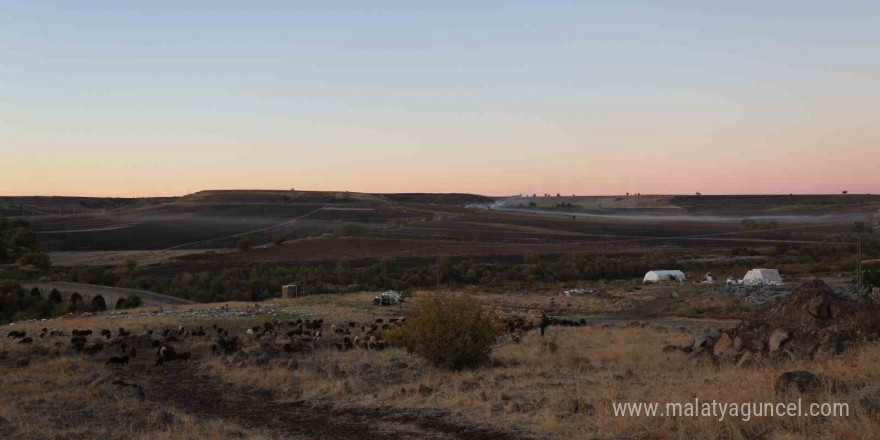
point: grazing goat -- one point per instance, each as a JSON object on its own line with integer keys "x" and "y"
{"x": 15, "y": 334}
{"x": 106, "y": 333}
{"x": 118, "y": 361}
{"x": 27, "y": 340}
{"x": 22, "y": 362}
{"x": 184, "y": 356}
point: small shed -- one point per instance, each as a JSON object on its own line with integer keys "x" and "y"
{"x": 664, "y": 275}
{"x": 769, "y": 277}
{"x": 289, "y": 291}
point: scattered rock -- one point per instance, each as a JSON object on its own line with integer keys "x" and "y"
{"x": 705, "y": 340}
{"x": 819, "y": 307}
{"x": 425, "y": 390}
{"x": 724, "y": 346}
{"x": 748, "y": 360}
{"x": 737, "y": 343}
{"x": 799, "y": 381}
{"x": 776, "y": 339}
{"x": 6, "y": 428}
{"x": 868, "y": 397}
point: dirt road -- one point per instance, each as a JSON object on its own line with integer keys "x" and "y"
{"x": 182, "y": 385}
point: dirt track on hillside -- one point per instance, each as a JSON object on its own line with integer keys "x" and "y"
{"x": 183, "y": 386}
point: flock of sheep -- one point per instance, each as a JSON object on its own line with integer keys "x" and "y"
{"x": 300, "y": 335}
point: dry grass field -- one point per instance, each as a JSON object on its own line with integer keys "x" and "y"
{"x": 561, "y": 385}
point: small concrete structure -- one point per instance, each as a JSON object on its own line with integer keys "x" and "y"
{"x": 664, "y": 275}
{"x": 767, "y": 277}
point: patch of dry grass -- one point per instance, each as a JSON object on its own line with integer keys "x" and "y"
{"x": 565, "y": 383}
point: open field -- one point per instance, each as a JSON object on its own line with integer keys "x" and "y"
{"x": 562, "y": 385}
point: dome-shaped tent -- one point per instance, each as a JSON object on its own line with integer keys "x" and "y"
{"x": 664, "y": 275}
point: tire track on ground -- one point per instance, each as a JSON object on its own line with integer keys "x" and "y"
{"x": 203, "y": 395}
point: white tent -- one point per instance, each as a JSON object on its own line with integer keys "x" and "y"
{"x": 664, "y": 275}
{"x": 762, "y": 276}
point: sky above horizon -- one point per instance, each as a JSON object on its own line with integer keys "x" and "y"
{"x": 105, "y": 98}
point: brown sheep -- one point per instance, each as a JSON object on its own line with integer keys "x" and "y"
{"x": 94, "y": 348}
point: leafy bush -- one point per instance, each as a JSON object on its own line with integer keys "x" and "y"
{"x": 454, "y": 332}
{"x": 36, "y": 259}
{"x": 132, "y": 301}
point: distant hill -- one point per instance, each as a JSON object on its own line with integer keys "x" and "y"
{"x": 438, "y": 198}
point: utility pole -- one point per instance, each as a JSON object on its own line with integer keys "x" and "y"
{"x": 859, "y": 226}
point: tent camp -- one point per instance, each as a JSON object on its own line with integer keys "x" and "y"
{"x": 664, "y": 275}
{"x": 762, "y": 277}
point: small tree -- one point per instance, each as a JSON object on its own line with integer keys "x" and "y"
{"x": 133, "y": 301}
{"x": 129, "y": 264}
{"x": 454, "y": 332}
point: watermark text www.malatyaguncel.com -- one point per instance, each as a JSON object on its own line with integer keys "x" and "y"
{"x": 719, "y": 410}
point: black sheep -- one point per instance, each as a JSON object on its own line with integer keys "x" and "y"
{"x": 118, "y": 361}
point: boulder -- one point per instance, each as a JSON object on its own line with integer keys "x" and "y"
{"x": 724, "y": 346}
{"x": 776, "y": 339}
{"x": 704, "y": 340}
{"x": 819, "y": 307}
{"x": 800, "y": 381}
